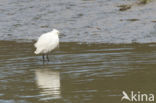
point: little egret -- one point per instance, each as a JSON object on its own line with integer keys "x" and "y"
{"x": 46, "y": 43}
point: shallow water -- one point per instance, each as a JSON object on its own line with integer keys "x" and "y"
{"x": 78, "y": 20}
{"x": 86, "y": 68}
{"x": 76, "y": 73}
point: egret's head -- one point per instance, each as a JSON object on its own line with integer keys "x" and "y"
{"x": 56, "y": 31}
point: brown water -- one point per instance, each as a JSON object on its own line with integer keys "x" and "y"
{"x": 76, "y": 73}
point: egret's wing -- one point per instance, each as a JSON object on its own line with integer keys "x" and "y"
{"x": 42, "y": 40}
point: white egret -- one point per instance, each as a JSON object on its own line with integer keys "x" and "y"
{"x": 46, "y": 43}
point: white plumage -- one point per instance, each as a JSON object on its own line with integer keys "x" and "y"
{"x": 47, "y": 42}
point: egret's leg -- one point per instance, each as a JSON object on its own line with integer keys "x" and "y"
{"x": 43, "y": 57}
{"x": 47, "y": 58}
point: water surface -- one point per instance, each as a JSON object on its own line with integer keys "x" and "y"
{"x": 76, "y": 73}
{"x": 87, "y": 21}
{"x": 100, "y": 54}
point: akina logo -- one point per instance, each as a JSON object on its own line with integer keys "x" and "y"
{"x": 137, "y": 97}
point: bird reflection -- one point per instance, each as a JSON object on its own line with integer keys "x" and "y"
{"x": 49, "y": 82}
